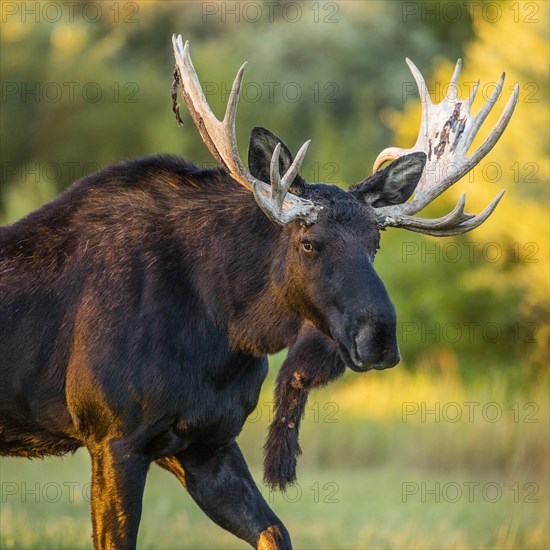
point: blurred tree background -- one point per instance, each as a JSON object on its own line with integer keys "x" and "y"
{"x": 86, "y": 84}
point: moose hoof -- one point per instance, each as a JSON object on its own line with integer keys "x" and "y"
{"x": 273, "y": 538}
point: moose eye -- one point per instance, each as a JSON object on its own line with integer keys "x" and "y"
{"x": 307, "y": 246}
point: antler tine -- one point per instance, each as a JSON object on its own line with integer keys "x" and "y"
{"x": 479, "y": 119}
{"x": 274, "y": 174}
{"x": 218, "y": 136}
{"x": 189, "y": 92}
{"x": 498, "y": 129}
{"x": 294, "y": 168}
{"x": 280, "y": 206}
{"x": 456, "y": 216}
{"x": 454, "y": 80}
{"x": 233, "y": 103}
{"x": 477, "y": 220}
{"x": 421, "y": 84}
{"x": 467, "y": 225}
{"x": 468, "y": 103}
{"x": 446, "y": 133}
{"x": 454, "y": 223}
{"x": 280, "y": 186}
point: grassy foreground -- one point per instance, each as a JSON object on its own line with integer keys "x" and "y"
{"x": 366, "y": 508}
{"x": 393, "y": 460}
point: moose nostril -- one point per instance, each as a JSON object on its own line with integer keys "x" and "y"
{"x": 364, "y": 345}
{"x": 376, "y": 345}
{"x": 362, "y": 340}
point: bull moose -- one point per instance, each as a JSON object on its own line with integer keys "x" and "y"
{"x": 138, "y": 307}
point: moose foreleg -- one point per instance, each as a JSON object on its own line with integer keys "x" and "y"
{"x": 312, "y": 361}
{"x": 118, "y": 480}
{"x": 221, "y": 484}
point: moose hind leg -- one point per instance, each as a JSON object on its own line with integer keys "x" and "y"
{"x": 118, "y": 481}
{"x": 221, "y": 484}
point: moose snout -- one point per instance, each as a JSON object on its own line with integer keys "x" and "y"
{"x": 365, "y": 329}
{"x": 367, "y": 341}
{"x": 375, "y": 347}
{"x": 373, "y": 338}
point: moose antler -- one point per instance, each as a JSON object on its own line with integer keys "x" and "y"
{"x": 279, "y": 205}
{"x": 446, "y": 132}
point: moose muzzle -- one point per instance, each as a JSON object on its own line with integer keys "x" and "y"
{"x": 375, "y": 346}
{"x": 366, "y": 332}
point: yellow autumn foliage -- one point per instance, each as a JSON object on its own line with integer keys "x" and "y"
{"x": 519, "y": 162}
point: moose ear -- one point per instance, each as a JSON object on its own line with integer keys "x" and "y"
{"x": 395, "y": 183}
{"x": 260, "y": 150}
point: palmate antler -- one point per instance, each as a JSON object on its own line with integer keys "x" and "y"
{"x": 279, "y": 205}
{"x": 446, "y": 132}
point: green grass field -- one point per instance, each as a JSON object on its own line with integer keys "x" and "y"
{"x": 330, "y": 508}
{"x": 374, "y": 474}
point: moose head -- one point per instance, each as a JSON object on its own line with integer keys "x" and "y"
{"x": 326, "y": 273}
